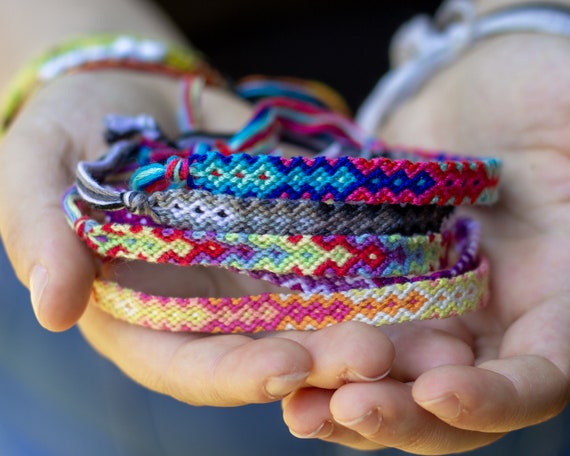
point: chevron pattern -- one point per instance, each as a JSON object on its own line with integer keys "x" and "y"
{"x": 439, "y": 298}
{"x": 321, "y": 256}
{"x": 343, "y": 179}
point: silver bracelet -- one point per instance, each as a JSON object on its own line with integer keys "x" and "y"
{"x": 422, "y": 47}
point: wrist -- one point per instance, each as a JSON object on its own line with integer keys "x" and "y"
{"x": 27, "y": 35}
{"x": 421, "y": 47}
{"x": 102, "y": 52}
{"x": 487, "y": 6}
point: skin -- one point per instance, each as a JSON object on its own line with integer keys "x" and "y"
{"x": 59, "y": 269}
{"x": 498, "y": 101}
{"x": 334, "y": 377}
{"x": 193, "y": 368}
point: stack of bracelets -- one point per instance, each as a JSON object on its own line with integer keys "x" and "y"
{"x": 356, "y": 231}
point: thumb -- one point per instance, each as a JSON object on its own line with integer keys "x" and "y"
{"x": 38, "y": 156}
{"x": 45, "y": 253}
{"x": 59, "y": 126}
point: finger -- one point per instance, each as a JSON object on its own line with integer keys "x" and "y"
{"x": 37, "y": 161}
{"x": 226, "y": 370}
{"x": 45, "y": 253}
{"x": 307, "y": 414}
{"x": 425, "y": 345}
{"x": 384, "y": 413}
{"x": 498, "y": 396}
{"x": 346, "y": 352}
{"x": 527, "y": 385}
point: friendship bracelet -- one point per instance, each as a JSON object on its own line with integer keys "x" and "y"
{"x": 413, "y": 178}
{"x": 365, "y": 255}
{"x": 104, "y": 52}
{"x": 200, "y": 210}
{"x": 344, "y": 179}
{"x": 466, "y": 235}
{"x": 222, "y": 167}
{"x": 422, "y": 47}
{"x": 398, "y": 303}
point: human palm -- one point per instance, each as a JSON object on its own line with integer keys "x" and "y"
{"x": 60, "y": 126}
{"x": 496, "y": 101}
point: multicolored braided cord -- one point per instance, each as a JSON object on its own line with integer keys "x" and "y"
{"x": 101, "y": 52}
{"x": 439, "y": 298}
{"x": 366, "y": 255}
{"x": 343, "y": 179}
{"x": 466, "y": 238}
{"x": 222, "y": 166}
{"x": 346, "y": 179}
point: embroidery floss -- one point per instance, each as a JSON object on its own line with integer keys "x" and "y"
{"x": 317, "y": 255}
{"x": 101, "y": 52}
{"x": 266, "y": 213}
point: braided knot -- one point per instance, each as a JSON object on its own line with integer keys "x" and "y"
{"x": 136, "y": 202}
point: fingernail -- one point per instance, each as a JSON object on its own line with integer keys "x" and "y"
{"x": 447, "y": 407}
{"x": 322, "y": 432}
{"x": 354, "y": 376}
{"x": 38, "y": 282}
{"x": 277, "y": 387}
{"x": 367, "y": 424}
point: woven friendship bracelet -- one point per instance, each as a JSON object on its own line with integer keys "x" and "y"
{"x": 103, "y": 52}
{"x": 203, "y": 211}
{"x": 466, "y": 236}
{"x": 466, "y": 239}
{"x": 221, "y": 167}
{"x": 365, "y": 255}
{"x": 440, "y": 298}
{"x": 398, "y": 303}
{"x": 345, "y": 179}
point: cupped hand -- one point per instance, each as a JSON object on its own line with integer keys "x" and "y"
{"x": 62, "y": 124}
{"x": 505, "y": 98}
